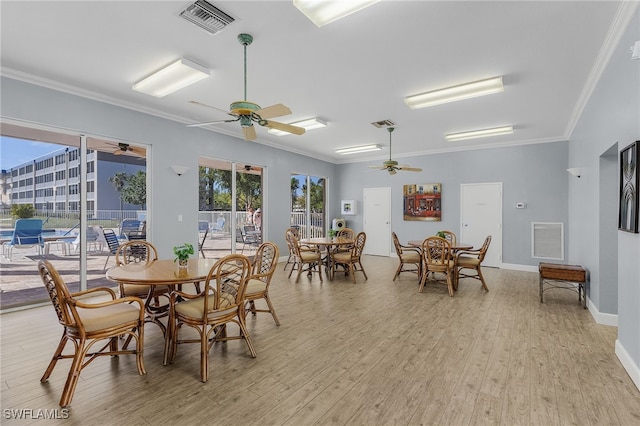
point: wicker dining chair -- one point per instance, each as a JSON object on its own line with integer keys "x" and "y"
{"x": 436, "y": 258}
{"x": 472, "y": 259}
{"x": 408, "y": 255}
{"x": 143, "y": 252}
{"x": 309, "y": 256}
{"x": 220, "y": 302}
{"x": 264, "y": 265}
{"x": 351, "y": 259}
{"x": 91, "y": 323}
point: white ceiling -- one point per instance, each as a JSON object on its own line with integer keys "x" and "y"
{"x": 351, "y": 72}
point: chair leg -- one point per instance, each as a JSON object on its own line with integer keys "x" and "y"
{"x": 423, "y": 279}
{"x": 449, "y": 283}
{"x": 271, "y": 309}
{"x": 204, "y": 356}
{"x": 56, "y": 357}
{"x": 352, "y": 271}
{"x": 245, "y": 335}
{"x": 484, "y": 285}
{"x": 362, "y": 269}
{"x": 74, "y": 374}
{"x": 398, "y": 271}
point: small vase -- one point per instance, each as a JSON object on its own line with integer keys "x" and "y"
{"x": 183, "y": 264}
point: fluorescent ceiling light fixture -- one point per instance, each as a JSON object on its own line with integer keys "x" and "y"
{"x": 322, "y": 12}
{"x": 455, "y": 93}
{"x": 358, "y": 149}
{"x": 496, "y": 131}
{"x": 179, "y": 74}
{"x": 308, "y": 124}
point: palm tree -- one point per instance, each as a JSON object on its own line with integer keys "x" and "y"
{"x": 119, "y": 180}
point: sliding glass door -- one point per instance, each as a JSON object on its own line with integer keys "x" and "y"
{"x": 230, "y": 206}
{"x": 74, "y": 186}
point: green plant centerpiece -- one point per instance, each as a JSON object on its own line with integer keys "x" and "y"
{"x": 332, "y": 233}
{"x": 441, "y": 235}
{"x": 182, "y": 254}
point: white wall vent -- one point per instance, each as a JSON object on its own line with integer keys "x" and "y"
{"x": 547, "y": 240}
{"x": 207, "y": 16}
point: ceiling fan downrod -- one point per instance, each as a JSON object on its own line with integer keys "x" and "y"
{"x": 245, "y": 40}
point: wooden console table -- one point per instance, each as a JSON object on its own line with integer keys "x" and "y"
{"x": 569, "y": 277}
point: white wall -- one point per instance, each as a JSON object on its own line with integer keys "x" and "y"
{"x": 533, "y": 174}
{"x": 612, "y": 116}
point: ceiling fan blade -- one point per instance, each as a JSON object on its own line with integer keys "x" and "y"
{"x": 118, "y": 152}
{"x": 409, "y": 169}
{"x": 209, "y": 106}
{"x": 213, "y": 122}
{"x": 249, "y": 133}
{"x": 276, "y": 110}
{"x": 285, "y": 127}
{"x": 140, "y": 152}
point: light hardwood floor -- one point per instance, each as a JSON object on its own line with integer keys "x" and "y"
{"x": 377, "y": 352}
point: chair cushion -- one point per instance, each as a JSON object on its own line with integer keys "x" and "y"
{"x": 142, "y": 290}
{"x": 342, "y": 257}
{"x": 467, "y": 261}
{"x": 410, "y": 257}
{"x": 255, "y": 286}
{"x": 194, "y": 308}
{"x": 108, "y": 316}
{"x": 309, "y": 256}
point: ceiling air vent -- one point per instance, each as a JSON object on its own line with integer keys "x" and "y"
{"x": 383, "y": 123}
{"x": 207, "y": 16}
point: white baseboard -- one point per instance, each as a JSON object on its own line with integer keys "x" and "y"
{"x": 516, "y": 267}
{"x": 602, "y": 318}
{"x": 627, "y": 362}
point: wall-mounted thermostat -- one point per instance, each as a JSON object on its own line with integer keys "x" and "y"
{"x": 520, "y": 205}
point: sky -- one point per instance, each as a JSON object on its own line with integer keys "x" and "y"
{"x": 16, "y": 151}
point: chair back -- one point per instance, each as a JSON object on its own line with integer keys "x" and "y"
{"x": 396, "y": 243}
{"x": 437, "y": 250}
{"x": 226, "y": 282}
{"x": 450, "y": 236}
{"x": 346, "y": 233}
{"x": 293, "y": 242}
{"x": 136, "y": 252}
{"x": 358, "y": 245}
{"x": 484, "y": 248}
{"x": 58, "y": 293}
{"x": 27, "y": 232}
{"x": 219, "y": 225}
{"x": 112, "y": 240}
{"x": 128, "y": 226}
{"x": 265, "y": 261}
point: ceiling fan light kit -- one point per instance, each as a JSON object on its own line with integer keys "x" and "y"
{"x": 324, "y": 12}
{"x": 175, "y": 76}
{"x": 483, "y": 133}
{"x": 455, "y": 93}
{"x": 358, "y": 149}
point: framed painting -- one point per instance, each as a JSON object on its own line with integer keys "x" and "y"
{"x": 422, "y": 202}
{"x": 348, "y": 207}
{"x": 629, "y": 185}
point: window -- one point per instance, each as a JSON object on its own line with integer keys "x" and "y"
{"x": 308, "y": 200}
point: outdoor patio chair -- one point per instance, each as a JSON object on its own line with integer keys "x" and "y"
{"x": 26, "y": 233}
{"x": 112, "y": 242}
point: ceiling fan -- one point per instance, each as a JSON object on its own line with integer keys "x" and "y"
{"x": 391, "y": 165}
{"x": 248, "y": 112}
{"x": 125, "y": 147}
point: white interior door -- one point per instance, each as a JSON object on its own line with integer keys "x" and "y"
{"x": 376, "y": 212}
{"x": 481, "y": 215}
